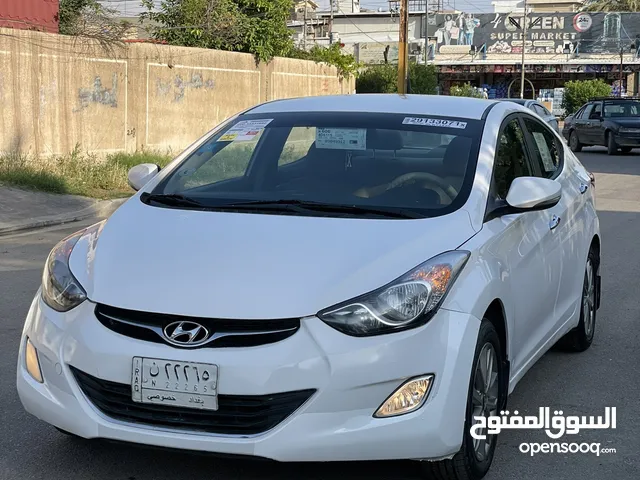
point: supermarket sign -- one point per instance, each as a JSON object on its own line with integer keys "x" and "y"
{"x": 547, "y": 33}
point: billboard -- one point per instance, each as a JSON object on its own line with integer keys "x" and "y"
{"x": 547, "y": 33}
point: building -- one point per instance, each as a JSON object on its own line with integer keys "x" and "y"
{"x": 487, "y": 50}
{"x": 537, "y": 6}
{"x": 39, "y": 15}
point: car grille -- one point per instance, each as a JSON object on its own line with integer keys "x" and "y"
{"x": 225, "y": 333}
{"x": 236, "y": 414}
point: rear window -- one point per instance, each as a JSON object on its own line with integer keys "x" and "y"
{"x": 421, "y": 163}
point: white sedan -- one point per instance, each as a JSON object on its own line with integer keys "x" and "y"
{"x": 328, "y": 278}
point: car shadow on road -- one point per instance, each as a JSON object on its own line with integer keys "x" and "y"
{"x": 595, "y": 159}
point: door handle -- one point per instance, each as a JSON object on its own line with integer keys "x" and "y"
{"x": 583, "y": 187}
{"x": 554, "y": 222}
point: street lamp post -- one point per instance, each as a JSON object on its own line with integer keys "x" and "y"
{"x": 524, "y": 43}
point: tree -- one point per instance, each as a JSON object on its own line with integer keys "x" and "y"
{"x": 579, "y": 92}
{"x": 345, "y": 63}
{"x": 384, "y": 79}
{"x": 258, "y": 27}
{"x": 89, "y": 19}
{"x": 611, "y": 6}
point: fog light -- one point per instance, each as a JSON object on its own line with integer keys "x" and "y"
{"x": 409, "y": 397}
{"x": 31, "y": 359}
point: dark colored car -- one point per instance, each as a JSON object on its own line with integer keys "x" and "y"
{"x": 610, "y": 122}
{"x": 538, "y": 108}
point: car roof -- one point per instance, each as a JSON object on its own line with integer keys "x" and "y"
{"x": 521, "y": 101}
{"x": 436, "y": 105}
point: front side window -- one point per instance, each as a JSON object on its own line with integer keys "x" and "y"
{"x": 586, "y": 112}
{"x": 597, "y": 111}
{"x": 546, "y": 149}
{"x": 510, "y": 161}
{"x": 418, "y": 165}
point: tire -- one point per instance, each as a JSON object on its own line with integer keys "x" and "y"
{"x": 612, "y": 148}
{"x": 467, "y": 464}
{"x": 574, "y": 143}
{"x": 625, "y": 149}
{"x": 580, "y": 338}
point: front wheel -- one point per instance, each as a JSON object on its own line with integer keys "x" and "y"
{"x": 580, "y": 338}
{"x": 473, "y": 460}
{"x": 574, "y": 142}
{"x": 612, "y": 147}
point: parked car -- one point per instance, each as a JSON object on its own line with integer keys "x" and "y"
{"x": 612, "y": 122}
{"x": 538, "y": 108}
{"x": 358, "y": 277}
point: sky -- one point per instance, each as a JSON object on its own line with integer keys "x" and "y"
{"x": 133, "y": 8}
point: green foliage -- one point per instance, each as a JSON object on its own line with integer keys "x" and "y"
{"x": 70, "y": 12}
{"x": 332, "y": 55}
{"x": 611, "y": 6}
{"x": 579, "y": 92}
{"x": 76, "y": 173}
{"x": 383, "y": 78}
{"x": 464, "y": 90}
{"x": 258, "y": 27}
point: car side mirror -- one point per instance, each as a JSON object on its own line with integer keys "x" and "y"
{"x": 141, "y": 174}
{"x": 533, "y": 193}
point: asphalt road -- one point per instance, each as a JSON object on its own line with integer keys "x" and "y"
{"x": 584, "y": 384}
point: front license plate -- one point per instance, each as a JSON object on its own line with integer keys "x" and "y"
{"x": 179, "y": 384}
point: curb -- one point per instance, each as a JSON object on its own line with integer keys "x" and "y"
{"x": 101, "y": 209}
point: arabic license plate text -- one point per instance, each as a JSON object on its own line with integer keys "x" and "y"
{"x": 179, "y": 384}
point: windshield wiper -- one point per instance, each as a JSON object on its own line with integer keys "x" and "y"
{"x": 301, "y": 205}
{"x": 171, "y": 199}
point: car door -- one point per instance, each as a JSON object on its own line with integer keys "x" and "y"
{"x": 565, "y": 241}
{"x": 595, "y": 132}
{"x": 582, "y": 124}
{"x": 523, "y": 241}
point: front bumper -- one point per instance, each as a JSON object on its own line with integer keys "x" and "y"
{"x": 627, "y": 140}
{"x": 352, "y": 376}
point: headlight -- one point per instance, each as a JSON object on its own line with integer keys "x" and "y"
{"x": 60, "y": 289}
{"x": 407, "y": 302}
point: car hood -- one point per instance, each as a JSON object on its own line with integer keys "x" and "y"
{"x": 629, "y": 122}
{"x": 250, "y": 266}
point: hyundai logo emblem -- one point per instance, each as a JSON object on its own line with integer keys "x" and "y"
{"x": 186, "y": 334}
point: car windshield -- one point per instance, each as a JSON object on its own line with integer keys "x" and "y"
{"x": 348, "y": 164}
{"x": 624, "y": 108}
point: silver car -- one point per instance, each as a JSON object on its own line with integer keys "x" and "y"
{"x": 538, "y": 108}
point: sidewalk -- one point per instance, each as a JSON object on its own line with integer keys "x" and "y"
{"x": 26, "y": 210}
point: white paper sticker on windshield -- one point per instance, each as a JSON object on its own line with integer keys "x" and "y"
{"x": 543, "y": 148}
{"x": 245, "y": 130}
{"x": 434, "y": 122}
{"x": 341, "y": 138}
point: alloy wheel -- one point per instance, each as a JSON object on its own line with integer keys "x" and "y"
{"x": 485, "y": 396}
{"x": 589, "y": 299}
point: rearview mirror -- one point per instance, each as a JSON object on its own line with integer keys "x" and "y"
{"x": 533, "y": 193}
{"x": 140, "y": 174}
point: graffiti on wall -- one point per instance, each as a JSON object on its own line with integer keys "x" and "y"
{"x": 180, "y": 85}
{"x": 549, "y": 33}
{"x": 98, "y": 94}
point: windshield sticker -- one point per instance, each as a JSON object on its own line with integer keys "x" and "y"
{"x": 245, "y": 130}
{"x": 543, "y": 148}
{"x": 434, "y": 122}
{"x": 341, "y": 138}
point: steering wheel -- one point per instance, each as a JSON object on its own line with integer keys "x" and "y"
{"x": 427, "y": 178}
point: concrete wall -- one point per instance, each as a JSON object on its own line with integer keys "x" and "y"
{"x": 56, "y": 92}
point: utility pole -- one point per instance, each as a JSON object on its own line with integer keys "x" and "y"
{"x": 524, "y": 43}
{"x": 621, "y": 66}
{"x": 403, "y": 51}
{"x": 426, "y": 34}
{"x": 331, "y": 22}
{"x": 304, "y": 28}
